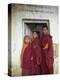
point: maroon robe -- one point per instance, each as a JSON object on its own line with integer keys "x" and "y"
{"x": 47, "y": 55}
{"x": 36, "y": 51}
{"x": 26, "y": 62}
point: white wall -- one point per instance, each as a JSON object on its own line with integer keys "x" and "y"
{"x": 30, "y": 12}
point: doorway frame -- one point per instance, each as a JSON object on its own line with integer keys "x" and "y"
{"x": 25, "y": 21}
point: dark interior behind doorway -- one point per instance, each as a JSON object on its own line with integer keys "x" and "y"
{"x": 30, "y": 27}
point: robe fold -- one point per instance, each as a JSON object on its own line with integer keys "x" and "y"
{"x": 26, "y": 61}
{"x": 47, "y": 55}
{"x": 36, "y": 51}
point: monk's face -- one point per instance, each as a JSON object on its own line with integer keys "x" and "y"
{"x": 45, "y": 31}
{"x": 27, "y": 40}
{"x": 34, "y": 35}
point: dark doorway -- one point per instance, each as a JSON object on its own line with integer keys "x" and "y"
{"x": 30, "y": 27}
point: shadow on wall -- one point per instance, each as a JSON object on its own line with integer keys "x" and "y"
{"x": 16, "y": 70}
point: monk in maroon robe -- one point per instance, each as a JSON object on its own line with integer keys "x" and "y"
{"x": 26, "y": 57}
{"x": 36, "y": 51}
{"x": 47, "y": 52}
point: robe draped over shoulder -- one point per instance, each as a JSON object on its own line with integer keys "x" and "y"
{"x": 26, "y": 63}
{"x": 36, "y": 50}
{"x": 48, "y": 54}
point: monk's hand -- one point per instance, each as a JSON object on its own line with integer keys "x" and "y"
{"x": 38, "y": 63}
{"x": 46, "y": 46}
{"x": 31, "y": 58}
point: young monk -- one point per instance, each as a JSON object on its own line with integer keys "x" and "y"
{"x": 26, "y": 56}
{"x": 47, "y": 52}
{"x": 36, "y": 51}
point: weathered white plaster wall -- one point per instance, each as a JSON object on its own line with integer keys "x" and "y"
{"x": 20, "y": 12}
